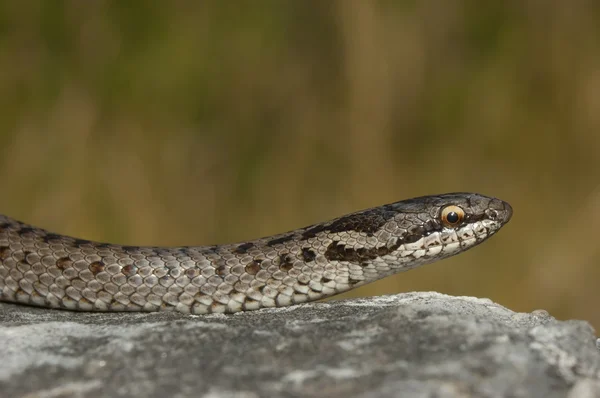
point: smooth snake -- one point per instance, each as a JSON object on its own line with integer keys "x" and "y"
{"x": 49, "y": 270}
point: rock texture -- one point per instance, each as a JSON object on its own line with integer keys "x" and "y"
{"x": 407, "y": 345}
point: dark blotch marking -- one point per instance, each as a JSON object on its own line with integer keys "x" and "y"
{"x": 313, "y": 231}
{"x": 50, "y": 236}
{"x": 96, "y": 267}
{"x": 285, "y": 262}
{"x": 412, "y": 238}
{"x": 64, "y": 262}
{"x": 81, "y": 242}
{"x": 4, "y": 252}
{"x": 221, "y": 270}
{"x": 128, "y": 270}
{"x": 243, "y": 248}
{"x": 420, "y": 231}
{"x": 417, "y": 230}
{"x": 25, "y": 230}
{"x": 325, "y": 280}
{"x": 471, "y": 218}
{"x": 25, "y": 261}
{"x": 368, "y": 221}
{"x": 339, "y": 252}
{"x": 308, "y": 255}
{"x": 353, "y": 281}
{"x": 253, "y": 267}
{"x": 281, "y": 240}
{"x": 432, "y": 225}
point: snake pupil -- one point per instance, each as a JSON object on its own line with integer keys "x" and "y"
{"x": 452, "y": 217}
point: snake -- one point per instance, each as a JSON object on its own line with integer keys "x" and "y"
{"x": 54, "y": 271}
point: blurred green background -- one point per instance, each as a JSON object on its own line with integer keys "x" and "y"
{"x": 201, "y": 122}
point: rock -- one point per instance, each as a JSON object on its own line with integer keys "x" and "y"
{"x": 407, "y": 345}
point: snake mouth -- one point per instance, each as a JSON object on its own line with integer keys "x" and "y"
{"x": 470, "y": 235}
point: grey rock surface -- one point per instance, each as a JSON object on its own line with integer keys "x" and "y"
{"x": 407, "y": 345}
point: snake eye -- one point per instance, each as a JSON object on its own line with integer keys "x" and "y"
{"x": 452, "y": 216}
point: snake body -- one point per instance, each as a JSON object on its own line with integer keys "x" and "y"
{"x": 49, "y": 270}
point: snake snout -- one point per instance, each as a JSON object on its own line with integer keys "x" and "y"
{"x": 505, "y": 212}
{"x": 509, "y": 211}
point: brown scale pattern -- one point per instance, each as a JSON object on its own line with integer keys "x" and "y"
{"x": 45, "y": 269}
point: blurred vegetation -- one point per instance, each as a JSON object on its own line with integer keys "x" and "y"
{"x": 184, "y": 122}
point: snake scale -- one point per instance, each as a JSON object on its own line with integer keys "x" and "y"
{"x": 49, "y": 270}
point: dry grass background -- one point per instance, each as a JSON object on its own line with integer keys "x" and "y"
{"x": 205, "y": 122}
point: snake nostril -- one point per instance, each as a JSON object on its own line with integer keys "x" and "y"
{"x": 491, "y": 214}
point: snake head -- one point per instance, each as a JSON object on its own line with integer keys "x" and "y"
{"x": 412, "y": 232}
{"x": 429, "y": 228}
